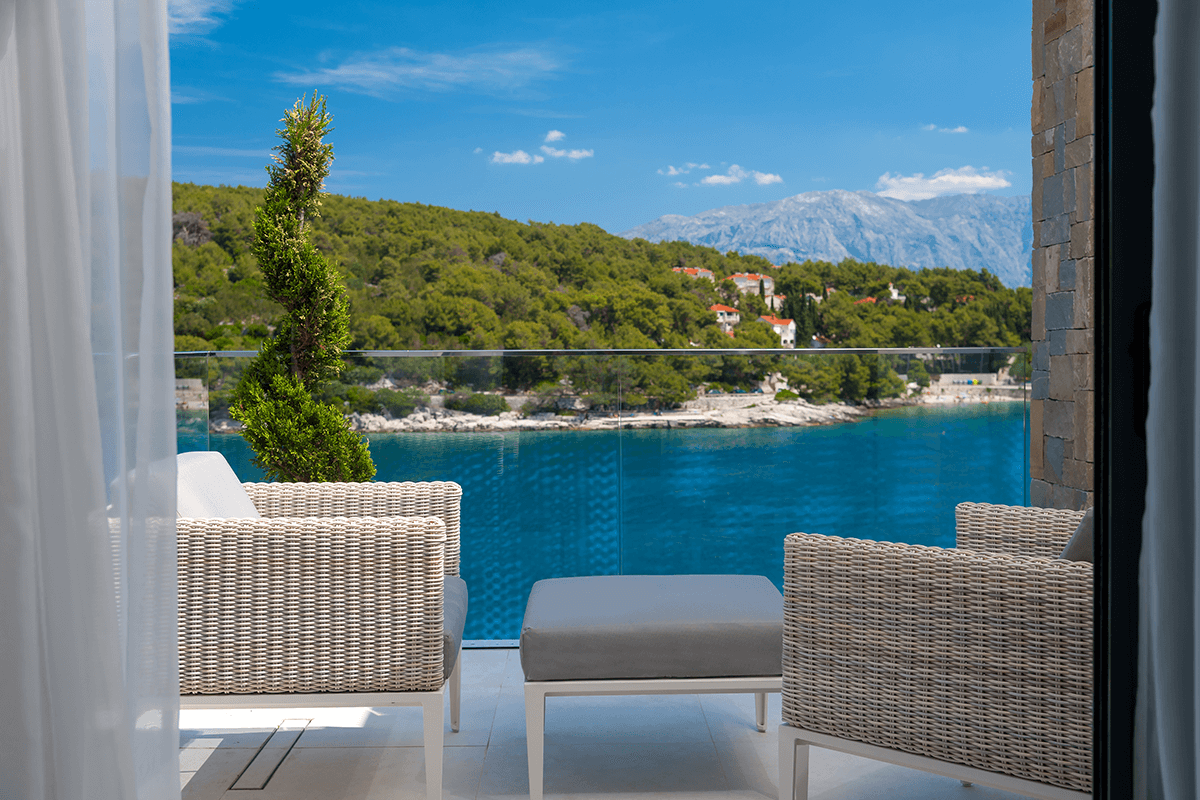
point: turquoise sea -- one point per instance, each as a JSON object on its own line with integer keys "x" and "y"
{"x": 713, "y": 500}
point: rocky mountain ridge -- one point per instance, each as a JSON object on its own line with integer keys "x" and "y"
{"x": 964, "y": 231}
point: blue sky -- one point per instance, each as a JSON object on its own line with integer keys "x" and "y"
{"x": 613, "y": 113}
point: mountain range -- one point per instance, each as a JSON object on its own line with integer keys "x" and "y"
{"x": 962, "y": 231}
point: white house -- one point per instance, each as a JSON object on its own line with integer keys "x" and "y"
{"x": 695, "y": 272}
{"x": 785, "y": 329}
{"x": 726, "y": 317}
{"x": 753, "y": 283}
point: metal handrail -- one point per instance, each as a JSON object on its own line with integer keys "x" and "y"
{"x": 677, "y": 351}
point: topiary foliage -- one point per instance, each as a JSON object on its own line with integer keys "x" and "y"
{"x": 294, "y": 437}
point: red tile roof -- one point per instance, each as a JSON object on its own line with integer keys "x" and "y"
{"x": 776, "y": 320}
{"x": 726, "y": 309}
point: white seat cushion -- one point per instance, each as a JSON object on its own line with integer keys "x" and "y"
{"x": 208, "y": 487}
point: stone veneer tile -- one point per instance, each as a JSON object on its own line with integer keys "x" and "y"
{"x": 1060, "y": 312}
{"x": 1041, "y": 356}
{"x": 1082, "y": 371}
{"x": 1057, "y": 343}
{"x": 1060, "y": 135}
{"x": 1055, "y": 26}
{"x": 1050, "y": 269}
{"x": 1060, "y": 378}
{"x": 1083, "y": 341}
{"x": 1078, "y": 474}
{"x": 1052, "y": 459}
{"x": 1083, "y": 192}
{"x": 1066, "y": 275}
{"x": 1036, "y": 454}
{"x": 1037, "y": 325}
{"x": 1083, "y": 429}
{"x": 1081, "y": 239}
{"x": 1052, "y": 196}
{"x": 1084, "y": 297}
{"x": 1040, "y": 493}
{"x": 1066, "y": 497}
{"x": 1056, "y": 230}
{"x": 1058, "y": 418}
{"x": 1079, "y": 152}
{"x": 1085, "y": 89}
{"x": 1039, "y": 388}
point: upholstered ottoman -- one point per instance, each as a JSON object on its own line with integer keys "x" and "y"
{"x": 648, "y": 634}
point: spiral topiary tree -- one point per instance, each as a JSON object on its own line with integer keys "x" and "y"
{"x": 294, "y": 437}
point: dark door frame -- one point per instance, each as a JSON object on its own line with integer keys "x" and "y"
{"x": 1124, "y": 175}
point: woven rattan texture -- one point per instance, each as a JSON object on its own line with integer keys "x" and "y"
{"x": 1014, "y": 529}
{"x": 441, "y": 499}
{"x": 310, "y": 605}
{"x": 970, "y": 658}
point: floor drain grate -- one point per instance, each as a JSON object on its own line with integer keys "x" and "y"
{"x": 262, "y": 767}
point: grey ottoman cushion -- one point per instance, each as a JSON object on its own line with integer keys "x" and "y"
{"x": 652, "y": 626}
{"x": 454, "y": 619}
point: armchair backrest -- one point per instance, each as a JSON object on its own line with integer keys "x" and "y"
{"x": 1015, "y": 530}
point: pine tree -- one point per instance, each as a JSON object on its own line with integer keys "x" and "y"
{"x": 294, "y": 437}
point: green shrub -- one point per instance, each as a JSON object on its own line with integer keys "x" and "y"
{"x": 785, "y": 394}
{"x": 486, "y": 404}
{"x": 294, "y": 436}
{"x": 401, "y": 403}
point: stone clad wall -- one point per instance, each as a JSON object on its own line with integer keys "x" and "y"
{"x": 1063, "y": 330}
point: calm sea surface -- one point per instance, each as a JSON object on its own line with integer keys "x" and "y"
{"x": 550, "y": 504}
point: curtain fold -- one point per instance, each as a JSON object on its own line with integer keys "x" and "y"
{"x": 1167, "y": 757}
{"x": 89, "y": 695}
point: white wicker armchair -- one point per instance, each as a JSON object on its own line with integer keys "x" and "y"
{"x": 975, "y": 663}
{"x": 336, "y": 596}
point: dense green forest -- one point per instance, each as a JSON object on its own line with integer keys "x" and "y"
{"x": 425, "y": 277}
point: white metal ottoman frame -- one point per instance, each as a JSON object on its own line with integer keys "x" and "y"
{"x": 432, "y": 705}
{"x": 536, "y": 693}
{"x": 793, "y": 767}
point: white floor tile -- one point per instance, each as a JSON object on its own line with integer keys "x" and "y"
{"x": 206, "y": 773}
{"x": 369, "y": 773}
{"x": 607, "y": 770}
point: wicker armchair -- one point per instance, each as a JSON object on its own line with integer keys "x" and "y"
{"x": 975, "y": 663}
{"x": 336, "y": 596}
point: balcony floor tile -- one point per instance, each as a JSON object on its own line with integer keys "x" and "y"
{"x": 665, "y": 747}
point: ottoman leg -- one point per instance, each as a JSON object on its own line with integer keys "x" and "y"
{"x": 760, "y": 711}
{"x": 535, "y": 737}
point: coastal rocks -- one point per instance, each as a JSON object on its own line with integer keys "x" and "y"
{"x": 732, "y": 412}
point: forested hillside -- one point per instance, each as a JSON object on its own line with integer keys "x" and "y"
{"x": 425, "y": 277}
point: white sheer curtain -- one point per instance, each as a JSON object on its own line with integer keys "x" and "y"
{"x": 1167, "y": 755}
{"x": 88, "y": 677}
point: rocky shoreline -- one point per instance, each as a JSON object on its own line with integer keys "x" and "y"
{"x": 727, "y": 411}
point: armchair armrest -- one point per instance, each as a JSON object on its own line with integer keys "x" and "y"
{"x": 306, "y": 605}
{"x": 966, "y": 657}
{"x": 1017, "y": 530}
{"x": 441, "y": 499}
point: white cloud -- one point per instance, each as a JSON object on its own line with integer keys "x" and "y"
{"x": 736, "y": 174}
{"x": 515, "y": 157}
{"x": 554, "y": 136}
{"x": 477, "y": 150}
{"x": 959, "y": 129}
{"x": 680, "y": 184}
{"x": 965, "y": 180}
{"x": 185, "y": 17}
{"x": 574, "y": 155}
{"x": 398, "y": 68}
{"x": 684, "y": 170}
